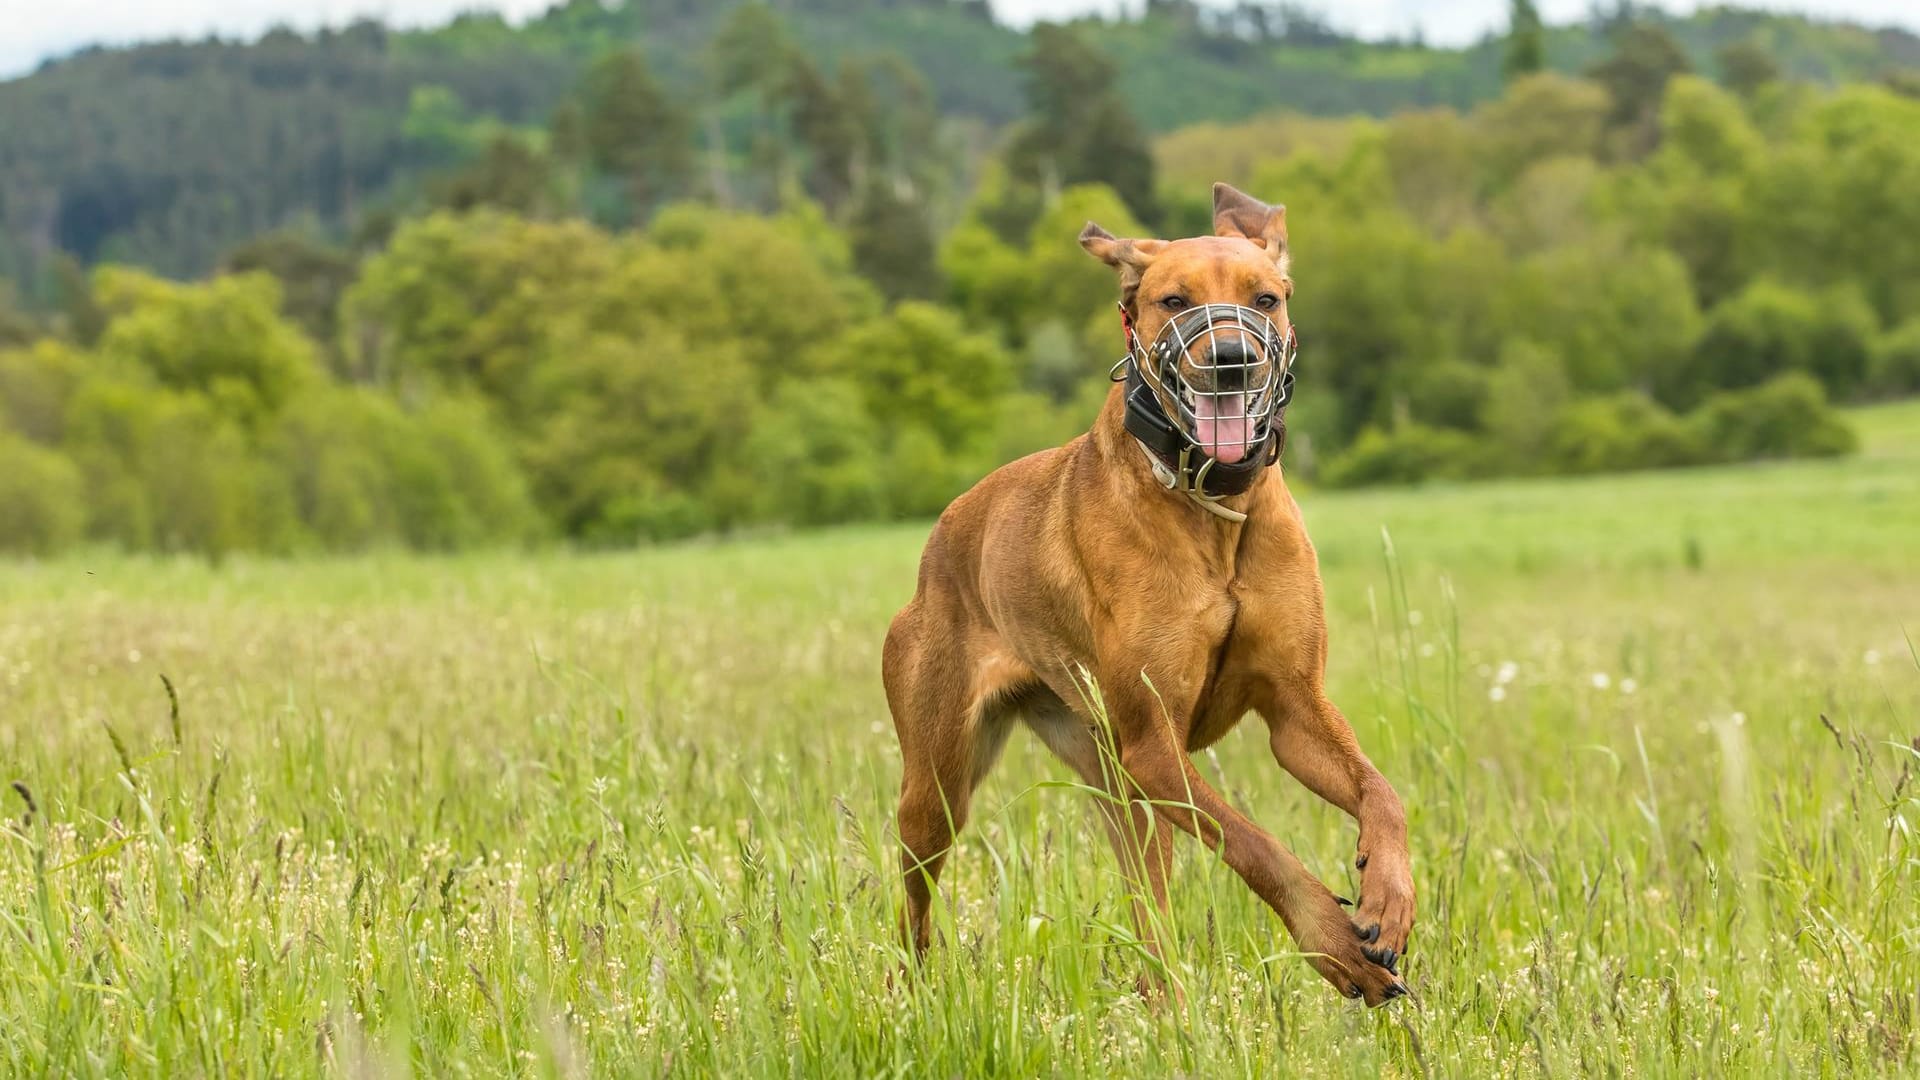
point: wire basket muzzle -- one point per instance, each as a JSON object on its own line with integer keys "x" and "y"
{"x": 1221, "y": 372}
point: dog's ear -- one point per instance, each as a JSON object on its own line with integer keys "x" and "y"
{"x": 1235, "y": 213}
{"x": 1130, "y": 257}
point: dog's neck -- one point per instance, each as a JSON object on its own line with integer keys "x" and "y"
{"x": 1130, "y": 463}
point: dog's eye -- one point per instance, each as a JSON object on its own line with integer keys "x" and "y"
{"x": 1173, "y": 303}
{"x": 1266, "y": 301}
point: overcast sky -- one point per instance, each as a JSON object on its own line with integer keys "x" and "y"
{"x": 36, "y": 29}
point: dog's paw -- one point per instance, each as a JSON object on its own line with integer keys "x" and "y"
{"x": 1384, "y": 916}
{"x": 1349, "y": 957}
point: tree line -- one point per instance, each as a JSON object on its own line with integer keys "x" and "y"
{"x": 615, "y": 327}
{"x": 167, "y": 155}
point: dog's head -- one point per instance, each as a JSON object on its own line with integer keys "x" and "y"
{"x": 1175, "y": 292}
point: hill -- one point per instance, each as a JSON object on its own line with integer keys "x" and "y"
{"x": 166, "y": 155}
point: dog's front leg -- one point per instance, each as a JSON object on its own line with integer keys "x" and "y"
{"x": 1154, "y": 758}
{"x": 1312, "y": 740}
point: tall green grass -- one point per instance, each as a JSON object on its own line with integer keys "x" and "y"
{"x": 631, "y": 814}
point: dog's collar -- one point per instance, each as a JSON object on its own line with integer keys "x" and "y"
{"x": 1179, "y": 464}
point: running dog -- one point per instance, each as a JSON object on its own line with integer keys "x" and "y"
{"x": 1130, "y": 596}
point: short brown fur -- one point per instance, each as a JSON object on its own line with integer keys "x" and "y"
{"x": 1077, "y": 559}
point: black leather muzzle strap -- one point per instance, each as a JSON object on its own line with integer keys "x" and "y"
{"x": 1147, "y": 421}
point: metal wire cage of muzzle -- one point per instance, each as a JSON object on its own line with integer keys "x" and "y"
{"x": 1222, "y": 373}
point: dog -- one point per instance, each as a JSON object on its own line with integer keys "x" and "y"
{"x": 1132, "y": 595}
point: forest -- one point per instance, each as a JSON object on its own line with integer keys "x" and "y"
{"x": 659, "y": 269}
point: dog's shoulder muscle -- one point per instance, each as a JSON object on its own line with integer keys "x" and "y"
{"x": 1003, "y": 550}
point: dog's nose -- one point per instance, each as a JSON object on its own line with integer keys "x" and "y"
{"x": 1230, "y": 358}
{"x": 1230, "y": 350}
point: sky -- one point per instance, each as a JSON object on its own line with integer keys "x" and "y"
{"x": 37, "y": 29}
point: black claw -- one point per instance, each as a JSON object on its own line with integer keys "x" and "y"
{"x": 1360, "y": 863}
{"x": 1353, "y": 990}
{"x": 1396, "y": 990}
{"x": 1385, "y": 957}
{"x": 1371, "y": 933}
{"x": 1342, "y": 901}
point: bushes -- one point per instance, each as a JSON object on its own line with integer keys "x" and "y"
{"x": 202, "y": 423}
{"x": 362, "y": 473}
{"x": 1785, "y": 418}
{"x": 35, "y": 384}
{"x": 1895, "y": 365}
{"x": 1411, "y": 453}
{"x": 167, "y": 471}
{"x": 1448, "y": 394}
{"x": 500, "y": 378}
{"x": 918, "y": 366}
{"x": 43, "y": 495}
{"x": 816, "y": 453}
{"x": 223, "y": 338}
{"x": 1769, "y": 329}
{"x": 1619, "y": 431}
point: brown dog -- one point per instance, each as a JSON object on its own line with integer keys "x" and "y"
{"x": 1091, "y": 559}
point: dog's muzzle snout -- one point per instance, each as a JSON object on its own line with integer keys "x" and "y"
{"x": 1228, "y": 365}
{"x": 1220, "y": 372}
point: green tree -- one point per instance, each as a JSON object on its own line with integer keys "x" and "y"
{"x": 893, "y": 244}
{"x": 468, "y": 302}
{"x": 36, "y": 384}
{"x": 1080, "y": 130}
{"x": 1745, "y": 67}
{"x": 829, "y": 127}
{"x": 223, "y": 338}
{"x": 1526, "y": 49}
{"x": 440, "y": 127}
{"x": 633, "y": 130}
{"x": 615, "y": 414}
{"x": 17, "y": 327}
{"x": 921, "y": 367}
{"x": 818, "y": 438}
{"x": 510, "y": 174}
{"x": 1614, "y": 315}
{"x": 1645, "y": 56}
{"x": 751, "y": 56}
{"x": 313, "y": 276}
{"x": 1525, "y": 392}
{"x": 1539, "y": 117}
{"x": 81, "y": 319}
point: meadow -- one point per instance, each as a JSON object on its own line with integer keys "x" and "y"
{"x": 630, "y": 813}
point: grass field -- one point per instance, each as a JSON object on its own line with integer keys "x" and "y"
{"x": 631, "y": 814}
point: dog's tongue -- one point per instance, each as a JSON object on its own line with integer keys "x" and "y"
{"x": 1221, "y": 425}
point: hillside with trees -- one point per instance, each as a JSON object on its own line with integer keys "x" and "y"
{"x": 609, "y": 305}
{"x": 168, "y": 155}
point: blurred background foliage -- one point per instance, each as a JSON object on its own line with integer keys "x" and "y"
{"x": 653, "y": 269}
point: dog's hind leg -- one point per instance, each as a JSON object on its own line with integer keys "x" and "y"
{"x": 951, "y": 728}
{"x": 1142, "y": 839}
